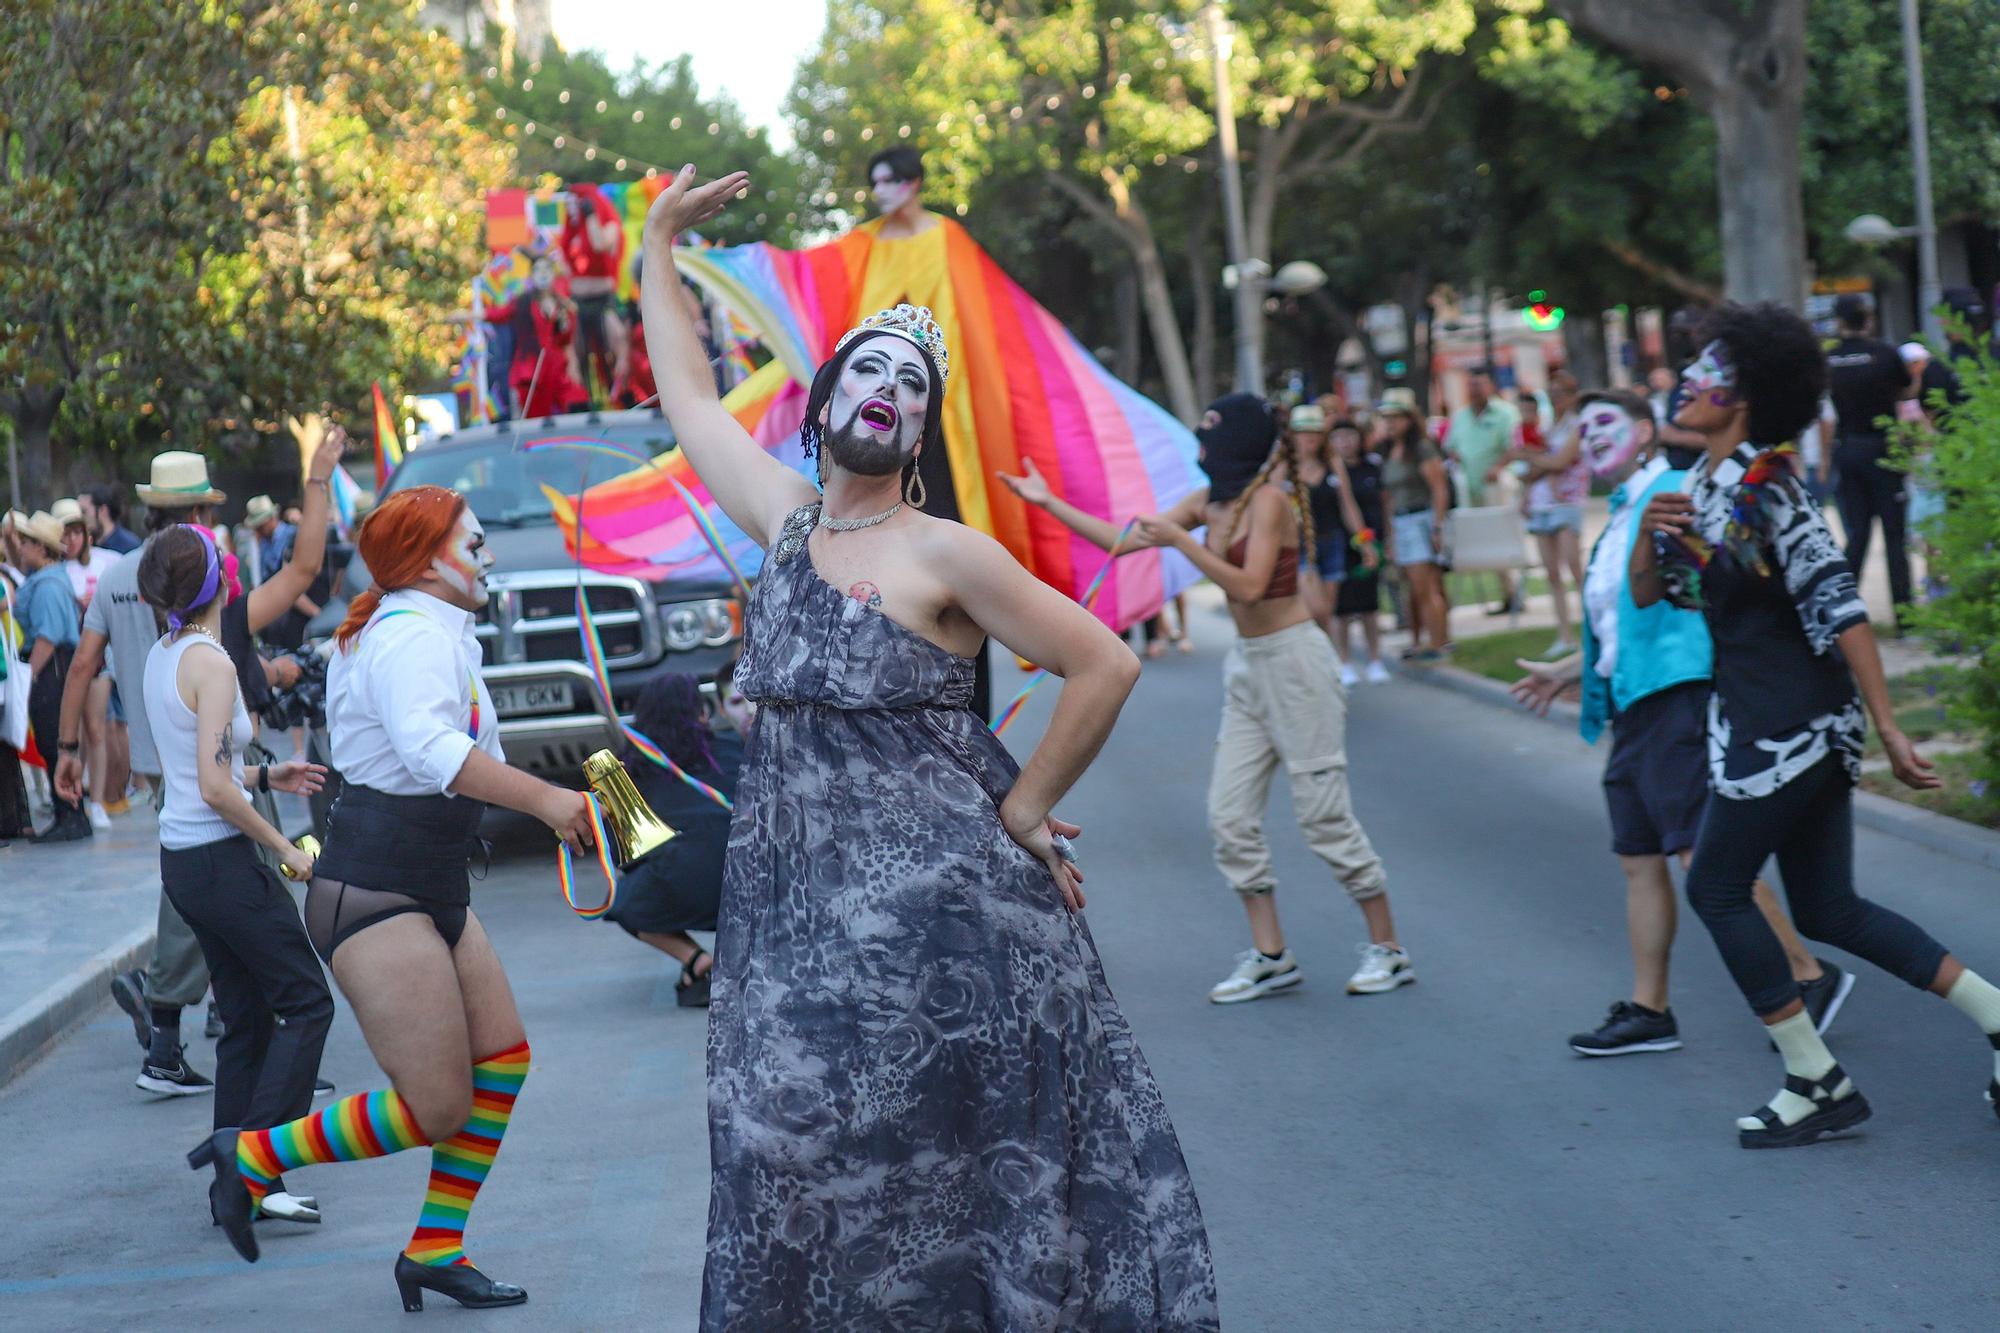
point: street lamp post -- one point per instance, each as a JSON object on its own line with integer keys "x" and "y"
{"x": 1249, "y": 284}
{"x": 1930, "y": 290}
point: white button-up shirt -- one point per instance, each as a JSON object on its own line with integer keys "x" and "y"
{"x": 400, "y": 702}
{"x": 1604, "y": 580}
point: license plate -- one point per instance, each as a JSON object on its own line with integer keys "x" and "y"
{"x": 525, "y": 697}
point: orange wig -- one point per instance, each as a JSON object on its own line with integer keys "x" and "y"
{"x": 398, "y": 543}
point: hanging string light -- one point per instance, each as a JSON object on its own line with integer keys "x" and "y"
{"x": 562, "y": 140}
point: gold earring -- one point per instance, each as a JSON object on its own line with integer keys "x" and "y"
{"x": 913, "y": 489}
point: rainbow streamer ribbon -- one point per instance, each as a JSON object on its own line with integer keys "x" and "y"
{"x": 1005, "y": 717}
{"x": 566, "y": 870}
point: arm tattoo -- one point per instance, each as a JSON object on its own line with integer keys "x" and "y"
{"x": 225, "y": 749}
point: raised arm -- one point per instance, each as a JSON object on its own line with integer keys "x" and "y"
{"x": 287, "y": 587}
{"x": 1034, "y": 489}
{"x": 753, "y": 488}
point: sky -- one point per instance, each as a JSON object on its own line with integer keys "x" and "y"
{"x": 754, "y": 65}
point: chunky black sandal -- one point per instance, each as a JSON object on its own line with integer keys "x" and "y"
{"x": 1830, "y": 1115}
{"x": 691, "y": 991}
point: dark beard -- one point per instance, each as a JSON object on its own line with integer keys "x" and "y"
{"x": 867, "y": 454}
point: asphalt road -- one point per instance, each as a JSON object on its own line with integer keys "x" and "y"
{"x": 1434, "y": 1158}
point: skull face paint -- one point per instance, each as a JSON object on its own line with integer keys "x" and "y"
{"x": 1610, "y": 440}
{"x": 1711, "y": 376}
{"x": 891, "y": 194}
{"x": 464, "y": 561}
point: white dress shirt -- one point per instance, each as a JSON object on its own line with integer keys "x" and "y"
{"x": 1604, "y": 580}
{"x": 400, "y": 700}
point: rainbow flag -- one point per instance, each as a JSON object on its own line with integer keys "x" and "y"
{"x": 388, "y": 450}
{"x": 1022, "y": 388}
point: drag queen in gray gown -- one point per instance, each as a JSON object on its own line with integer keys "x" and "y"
{"x": 925, "y": 1110}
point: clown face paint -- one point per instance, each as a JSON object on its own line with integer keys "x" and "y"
{"x": 465, "y": 559}
{"x": 891, "y": 194}
{"x": 1712, "y": 377}
{"x": 1610, "y": 440}
{"x": 880, "y": 403}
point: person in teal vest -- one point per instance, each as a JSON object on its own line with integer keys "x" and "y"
{"x": 1645, "y": 673}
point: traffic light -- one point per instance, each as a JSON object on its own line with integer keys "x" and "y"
{"x": 1538, "y": 314}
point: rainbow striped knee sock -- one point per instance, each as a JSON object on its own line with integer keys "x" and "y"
{"x": 368, "y": 1124}
{"x": 459, "y": 1164}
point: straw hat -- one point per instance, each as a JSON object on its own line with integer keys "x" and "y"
{"x": 260, "y": 509}
{"x": 66, "y": 512}
{"x": 1398, "y": 400}
{"x": 14, "y": 519}
{"x": 1308, "y": 418}
{"x": 44, "y": 528}
{"x": 179, "y": 480}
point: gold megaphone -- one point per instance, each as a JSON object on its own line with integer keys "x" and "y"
{"x": 634, "y": 827}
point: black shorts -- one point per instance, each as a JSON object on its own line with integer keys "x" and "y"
{"x": 1656, "y": 782}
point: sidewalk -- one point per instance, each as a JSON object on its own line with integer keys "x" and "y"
{"x": 72, "y": 916}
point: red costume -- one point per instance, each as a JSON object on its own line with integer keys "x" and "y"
{"x": 539, "y": 374}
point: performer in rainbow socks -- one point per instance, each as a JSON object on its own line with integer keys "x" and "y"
{"x": 389, "y": 904}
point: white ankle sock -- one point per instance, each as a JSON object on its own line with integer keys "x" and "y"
{"x": 1806, "y": 1056}
{"x": 1979, "y": 1000}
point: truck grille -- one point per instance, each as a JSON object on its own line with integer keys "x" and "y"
{"x": 532, "y": 618}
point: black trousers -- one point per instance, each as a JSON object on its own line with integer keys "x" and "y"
{"x": 1867, "y": 492}
{"x": 1809, "y": 824}
{"x": 268, "y": 985}
{"x": 45, "y": 716}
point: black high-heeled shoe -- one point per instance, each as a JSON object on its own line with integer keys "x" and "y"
{"x": 228, "y": 1197}
{"x": 462, "y": 1282}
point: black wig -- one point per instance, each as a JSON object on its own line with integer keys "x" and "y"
{"x": 1780, "y": 367}
{"x": 812, "y": 435}
{"x": 669, "y": 713}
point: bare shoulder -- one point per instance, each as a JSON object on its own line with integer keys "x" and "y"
{"x": 952, "y": 548}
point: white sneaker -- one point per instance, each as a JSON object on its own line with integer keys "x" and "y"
{"x": 1383, "y": 968}
{"x": 1377, "y": 674}
{"x": 1348, "y": 677}
{"x": 1257, "y": 976}
{"x": 98, "y": 819}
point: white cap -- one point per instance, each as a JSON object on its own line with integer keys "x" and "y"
{"x": 1913, "y": 351}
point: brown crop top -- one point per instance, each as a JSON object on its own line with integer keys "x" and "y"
{"x": 1284, "y": 575}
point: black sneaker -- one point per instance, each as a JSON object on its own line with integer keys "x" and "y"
{"x": 128, "y": 991}
{"x": 1825, "y": 995}
{"x": 1629, "y": 1029}
{"x": 322, "y": 1087}
{"x": 177, "y": 1079}
{"x": 212, "y": 1027}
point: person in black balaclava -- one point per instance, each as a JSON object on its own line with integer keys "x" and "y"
{"x": 1282, "y": 701}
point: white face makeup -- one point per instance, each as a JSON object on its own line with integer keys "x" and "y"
{"x": 876, "y": 416}
{"x": 1711, "y": 376}
{"x": 891, "y": 194}
{"x": 1610, "y": 440}
{"x": 466, "y": 559}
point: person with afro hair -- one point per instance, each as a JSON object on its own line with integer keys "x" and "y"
{"x": 1795, "y": 662}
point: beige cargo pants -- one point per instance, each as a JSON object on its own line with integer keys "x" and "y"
{"x": 1282, "y": 704}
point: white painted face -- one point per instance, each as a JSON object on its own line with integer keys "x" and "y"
{"x": 465, "y": 560}
{"x": 876, "y": 416}
{"x": 1610, "y": 440}
{"x": 1709, "y": 386}
{"x": 891, "y": 194}
{"x": 742, "y": 714}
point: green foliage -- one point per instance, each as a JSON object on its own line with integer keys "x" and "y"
{"x": 1964, "y": 462}
{"x": 648, "y": 116}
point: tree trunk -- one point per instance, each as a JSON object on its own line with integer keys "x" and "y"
{"x": 1201, "y": 282}
{"x": 1167, "y": 345}
{"x": 1757, "y": 122}
{"x": 1583, "y": 349}
{"x": 34, "y": 412}
{"x": 1125, "y": 307}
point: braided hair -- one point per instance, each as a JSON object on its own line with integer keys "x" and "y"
{"x": 1281, "y": 468}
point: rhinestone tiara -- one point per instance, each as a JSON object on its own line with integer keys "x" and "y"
{"x": 914, "y": 322}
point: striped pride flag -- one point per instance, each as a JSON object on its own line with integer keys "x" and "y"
{"x": 1022, "y": 388}
{"x": 388, "y": 449}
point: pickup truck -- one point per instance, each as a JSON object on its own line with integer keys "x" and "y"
{"x": 551, "y": 718}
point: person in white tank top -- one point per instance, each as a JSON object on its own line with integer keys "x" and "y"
{"x": 272, "y": 996}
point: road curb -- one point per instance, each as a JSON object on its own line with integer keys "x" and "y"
{"x": 35, "y": 1026}
{"x": 1941, "y": 833}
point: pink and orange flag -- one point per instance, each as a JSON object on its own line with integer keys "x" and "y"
{"x": 1022, "y": 388}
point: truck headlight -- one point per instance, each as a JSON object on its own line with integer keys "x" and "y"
{"x": 704, "y": 624}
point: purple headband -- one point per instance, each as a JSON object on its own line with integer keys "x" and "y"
{"x": 211, "y": 582}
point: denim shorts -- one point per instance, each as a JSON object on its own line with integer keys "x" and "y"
{"x": 1545, "y": 520}
{"x": 1413, "y": 538}
{"x": 1330, "y": 556}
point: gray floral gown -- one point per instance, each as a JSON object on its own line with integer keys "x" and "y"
{"x": 925, "y": 1110}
